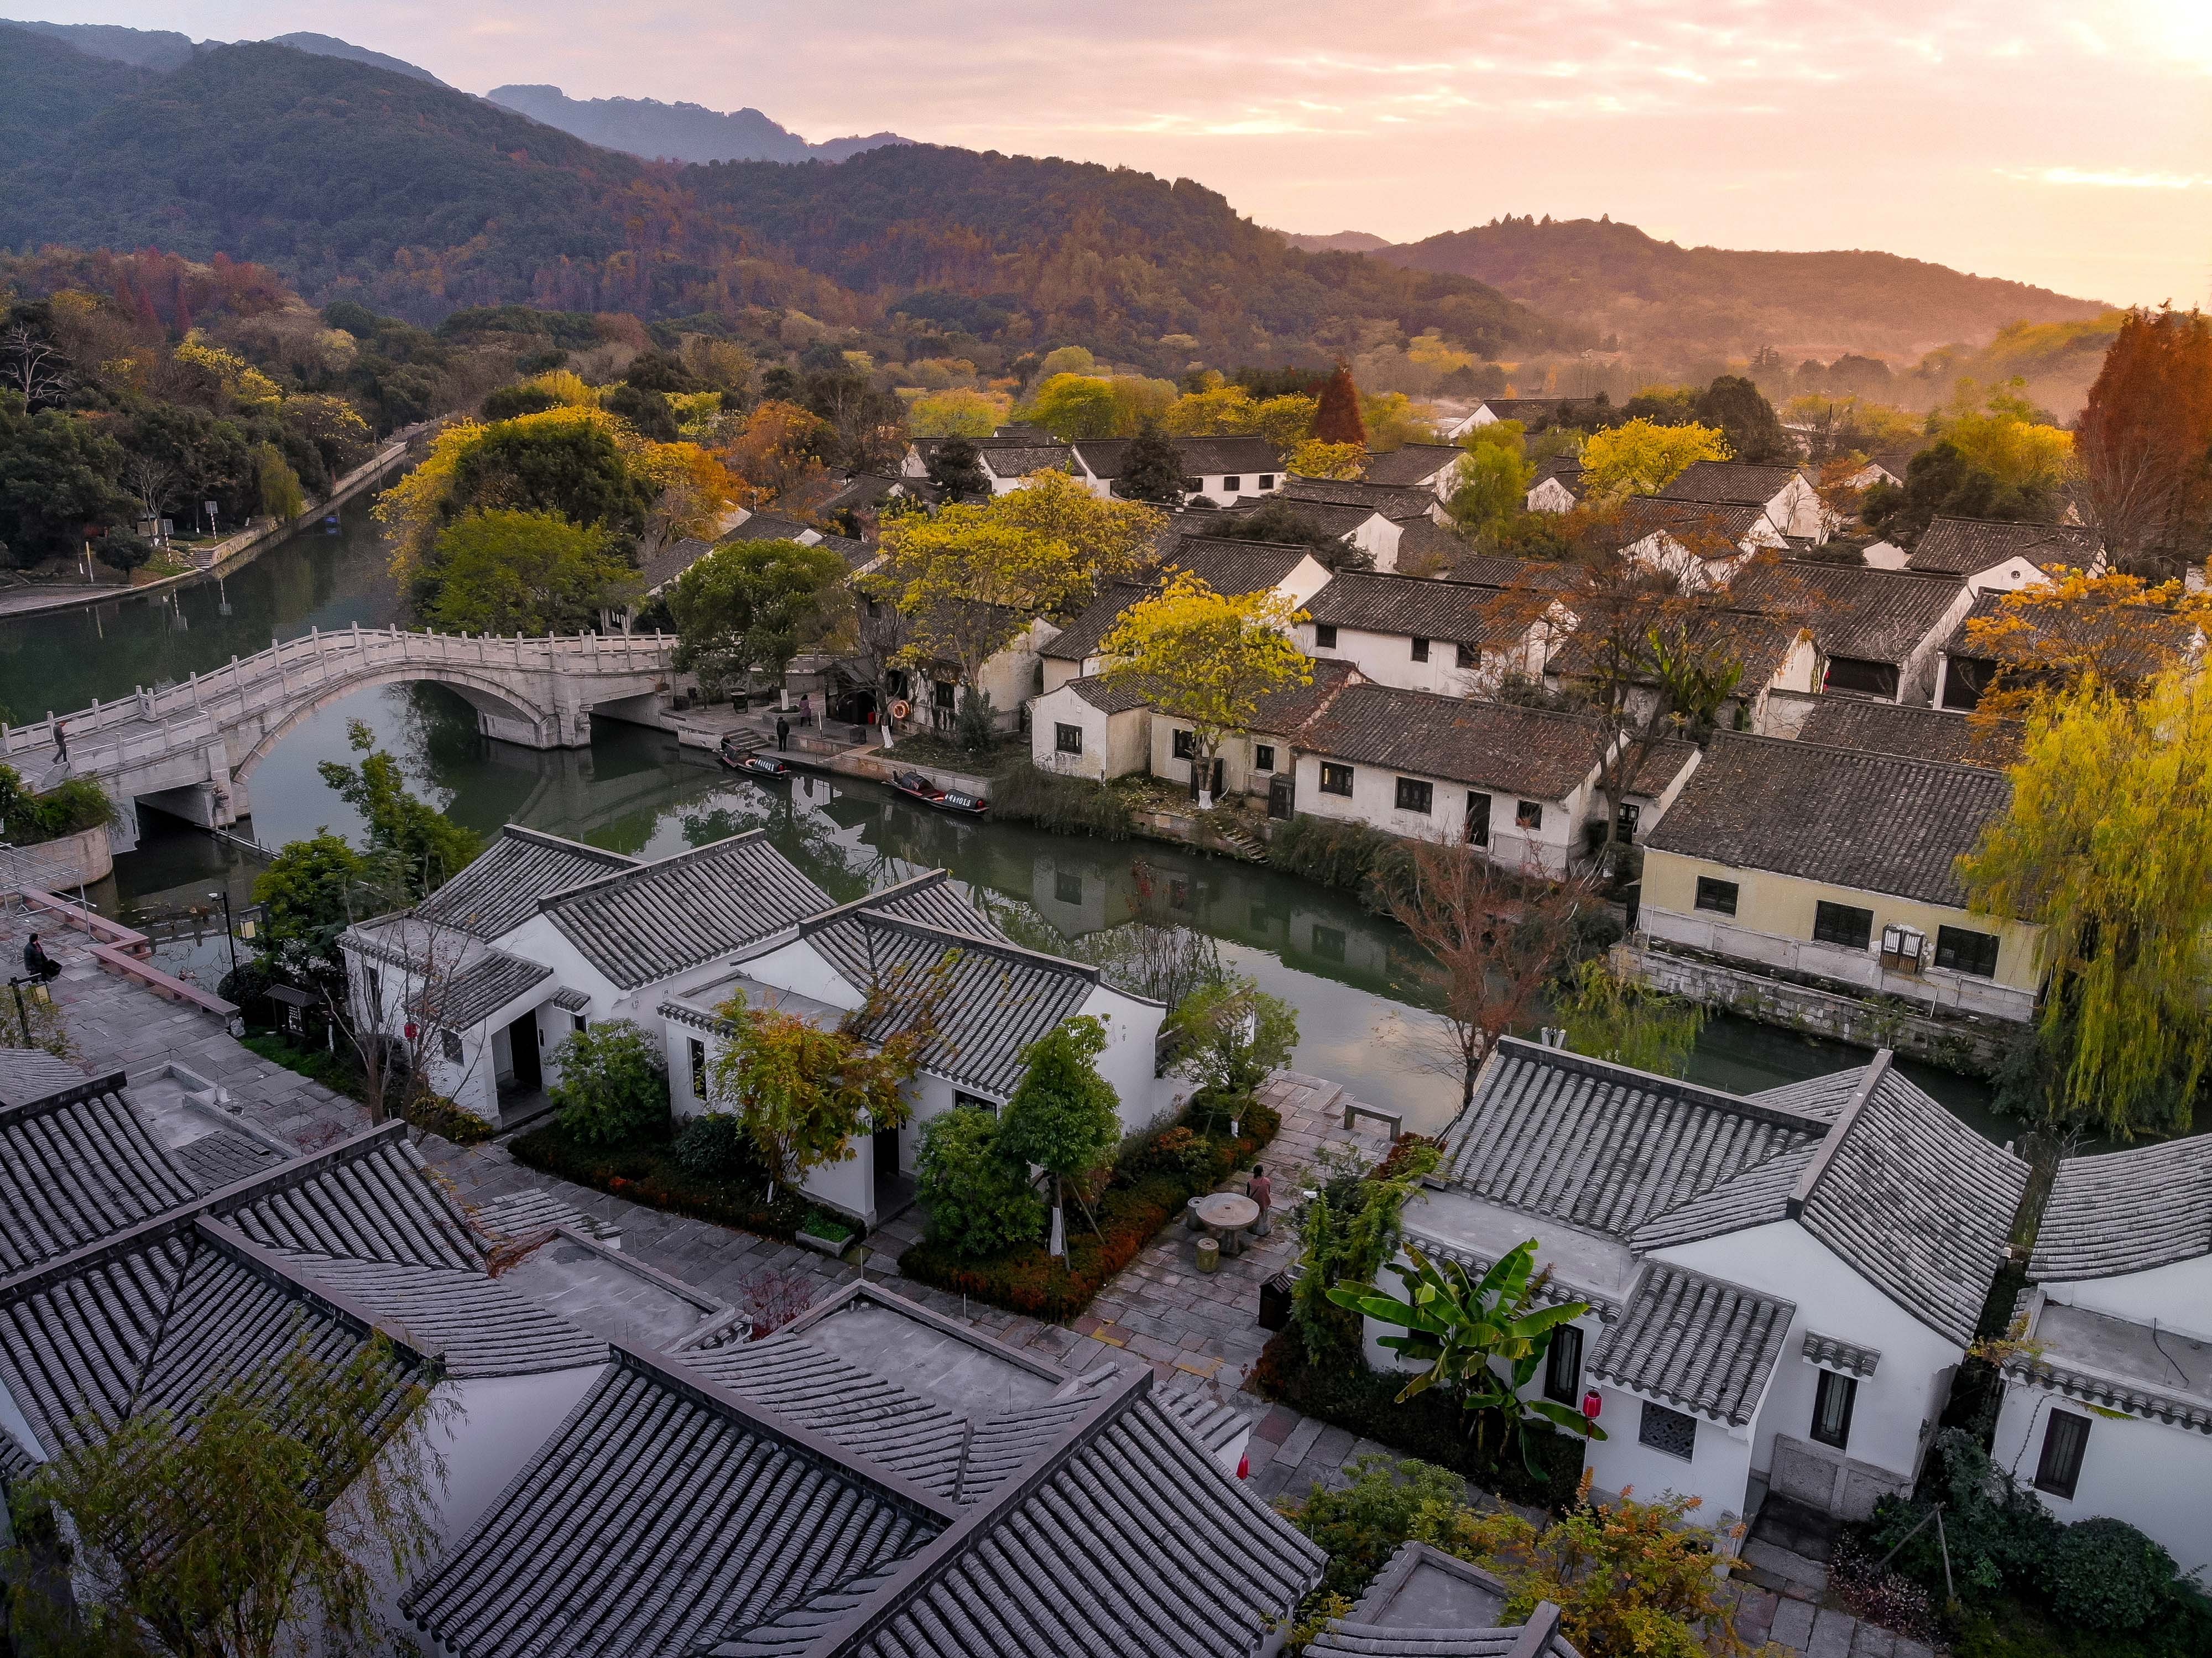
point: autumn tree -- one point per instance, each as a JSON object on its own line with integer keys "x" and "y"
{"x": 957, "y": 412}
{"x": 1742, "y": 414}
{"x": 1492, "y": 481}
{"x": 525, "y": 573}
{"x": 1337, "y": 417}
{"x": 1484, "y": 942}
{"x": 780, "y": 448}
{"x": 1074, "y": 406}
{"x": 2074, "y": 628}
{"x": 1063, "y": 1116}
{"x": 1641, "y": 457}
{"x": 803, "y": 1092}
{"x": 756, "y": 604}
{"x": 957, "y": 469}
{"x": 1109, "y": 540}
{"x": 2106, "y": 847}
{"x": 2145, "y": 437}
{"x": 968, "y": 583}
{"x": 1206, "y": 659}
{"x": 1318, "y": 458}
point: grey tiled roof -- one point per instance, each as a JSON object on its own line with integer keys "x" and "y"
{"x": 2127, "y": 1212}
{"x": 1502, "y": 570}
{"x": 1526, "y": 751}
{"x": 1329, "y": 518}
{"x": 1107, "y": 696}
{"x": 499, "y": 890}
{"x": 1735, "y": 481}
{"x": 472, "y": 1320}
{"x": 1759, "y": 644}
{"x": 1854, "y": 612}
{"x": 1603, "y": 1147}
{"x": 1204, "y": 457}
{"x": 1696, "y": 1342}
{"x": 477, "y": 989}
{"x": 1852, "y": 722}
{"x": 224, "y": 1159}
{"x": 1850, "y": 817}
{"x": 1456, "y": 612}
{"x": 642, "y": 924}
{"x": 28, "y": 1074}
{"x": 1646, "y": 515}
{"x": 1397, "y": 505}
{"x": 1525, "y": 409}
{"x": 1757, "y": 1196}
{"x": 76, "y": 1167}
{"x": 670, "y": 561}
{"x": 1236, "y": 567}
{"x": 1963, "y": 546}
{"x": 768, "y": 526}
{"x": 2072, "y": 1382}
{"x": 366, "y": 1198}
{"x": 1413, "y": 464}
{"x": 1917, "y": 1201}
{"x": 1093, "y": 622}
{"x": 1020, "y": 460}
{"x": 1835, "y": 1353}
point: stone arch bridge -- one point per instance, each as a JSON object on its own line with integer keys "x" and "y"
{"x": 190, "y": 750}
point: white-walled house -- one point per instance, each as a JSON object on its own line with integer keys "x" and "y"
{"x": 1783, "y": 494}
{"x": 1520, "y": 783}
{"x": 1881, "y": 631}
{"x": 1433, "y": 467}
{"x": 1558, "y": 487}
{"x": 1771, "y": 653}
{"x": 1460, "y": 638}
{"x": 1086, "y": 727}
{"x": 2108, "y": 1404}
{"x": 1007, "y": 462}
{"x": 1220, "y": 470}
{"x": 1994, "y": 557}
{"x": 1259, "y": 762}
{"x": 1533, "y": 413}
{"x": 1780, "y": 1285}
{"x": 1701, "y": 544}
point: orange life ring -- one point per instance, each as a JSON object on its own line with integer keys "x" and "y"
{"x": 901, "y": 708}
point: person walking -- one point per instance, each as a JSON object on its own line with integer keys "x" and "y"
{"x": 37, "y": 964}
{"x": 1262, "y": 1191}
{"x": 807, "y": 708}
{"x": 782, "y": 733}
{"x": 61, "y": 742}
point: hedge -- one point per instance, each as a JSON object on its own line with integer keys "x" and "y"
{"x": 1139, "y": 1200}
{"x": 1349, "y": 856}
{"x": 645, "y": 1170}
{"x": 1065, "y": 805}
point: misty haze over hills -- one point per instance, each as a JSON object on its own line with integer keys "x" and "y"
{"x": 678, "y": 132}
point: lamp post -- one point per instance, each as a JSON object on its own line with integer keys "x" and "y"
{"x": 23, "y": 1014}
{"x": 222, "y": 897}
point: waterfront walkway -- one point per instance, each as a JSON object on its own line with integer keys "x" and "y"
{"x": 1196, "y": 1331}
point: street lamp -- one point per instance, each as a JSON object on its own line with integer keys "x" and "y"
{"x": 38, "y": 989}
{"x": 228, "y": 938}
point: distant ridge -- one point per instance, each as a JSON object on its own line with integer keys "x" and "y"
{"x": 329, "y": 46}
{"x": 678, "y": 132}
{"x": 1342, "y": 241}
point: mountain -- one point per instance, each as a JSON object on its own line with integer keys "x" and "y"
{"x": 1662, "y": 300}
{"x": 329, "y": 46}
{"x": 362, "y": 182}
{"x": 154, "y": 49}
{"x": 49, "y": 87}
{"x": 678, "y": 132}
{"x": 1343, "y": 241}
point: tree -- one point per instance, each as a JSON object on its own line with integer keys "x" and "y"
{"x": 2073, "y": 628}
{"x": 870, "y": 423}
{"x": 968, "y": 583}
{"x": 1152, "y": 469}
{"x": 1337, "y": 417}
{"x": 284, "y": 1494}
{"x": 428, "y": 847}
{"x": 980, "y": 1200}
{"x": 1941, "y": 481}
{"x": 613, "y": 1087}
{"x": 751, "y": 605}
{"x": 781, "y": 446}
{"x": 1206, "y": 659}
{"x": 804, "y": 1092}
{"x": 647, "y": 412}
{"x": 958, "y": 412}
{"x": 1743, "y": 415}
{"x": 2145, "y": 436}
{"x": 1492, "y": 481}
{"x": 1280, "y": 521}
{"x": 1110, "y": 540}
{"x": 1072, "y": 406}
{"x": 957, "y": 469}
{"x": 1486, "y": 944}
{"x": 1351, "y": 1226}
{"x": 308, "y": 893}
{"x": 525, "y": 573}
{"x": 1336, "y": 462}
{"x": 2005, "y": 434}
{"x": 1063, "y": 1116}
{"x": 1625, "y": 1022}
{"x": 55, "y": 479}
{"x": 2107, "y": 848}
{"x": 1640, "y": 458}
{"x": 31, "y": 365}
{"x": 1228, "y": 1034}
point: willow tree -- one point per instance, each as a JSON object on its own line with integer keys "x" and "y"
{"x": 2107, "y": 848}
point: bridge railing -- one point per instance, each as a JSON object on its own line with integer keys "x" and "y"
{"x": 195, "y": 710}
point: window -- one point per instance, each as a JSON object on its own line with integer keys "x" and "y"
{"x": 1232, "y": 483}
{"x": 1263, "y": 757}
{"x": 578, "y": 1024}
{"x": 1067, "y": 888}
{"x": 1420, "y": 650}
{"x": 1631, "y": 815}
{"x": 1668, "y": 1431}
{"x": 1335, "y": 780}
{"x": 1329, "y": 942}
{"x": 964, "y": 1100}
{"x": 942, "y": 692}
{"x": 1529, "y": 815}
{"x": 449, "y": 1044}
{"x": 1324, "y": 636}
{"x": 1414, "y": 795}
{"x": 1266, "y": 480}
{"x": 1841, "y": 924}
{"x": 1832, "y": 1407}
{"x": 1478, "y": 818}
{"x": 1718, "y": 896}
{"x": 1179, "y": 745}
{"x": 1067, "y": 739}
{"x": 376, "y": 988}
{"x": 695, "y": 1051}
{"x": 1467, "y": 656}
{"x": 2064, "y": 1438}
{"x": 1563, "y": 1365}
{"x": 1965, "y": 952}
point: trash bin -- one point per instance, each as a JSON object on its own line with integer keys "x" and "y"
{"x": 1275, "y": 1302}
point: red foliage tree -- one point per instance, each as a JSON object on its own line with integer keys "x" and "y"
{"x": 2145, "y": 437}
{"x": 1337, "y": 418}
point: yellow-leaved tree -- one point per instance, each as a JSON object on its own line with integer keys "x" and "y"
{"x": 2048, "y": 639}
{"x": 1642, "y": 458}
{"x": 1206, "y": 659}
{"x": 1341, "y": 461}
{"x": 1109, "y": 538}
{"x": 1998, "y": 430}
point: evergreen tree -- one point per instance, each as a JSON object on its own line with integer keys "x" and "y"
{"x": 1064, "y": 1117}
{"x": 1337, "y": 418}
{"x": 1152, "y": 469}
{"x": 957, "y": 469}
{"x": 1740, "y": 410}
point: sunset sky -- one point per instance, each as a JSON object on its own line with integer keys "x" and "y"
{"x": 2067, "y": 144}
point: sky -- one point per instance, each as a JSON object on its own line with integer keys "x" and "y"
{"x": 2064, "y": 142}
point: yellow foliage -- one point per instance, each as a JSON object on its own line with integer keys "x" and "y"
{"x": 1342, "y": 462}
{"x": 571, "y": 389}
{"x": 1227, "y": 411}
{"x": 969, "y": 583}
{"x": 1640, "y": 458}
{"x": 695, "y": 412}
{"x": 2050, "y": 638}
{"x": 1429, "y": 351}
{"x": 692, "y": 488}
{"x": 2003, "y": 435}
{"x": 412, "y": 507}
{"x": 1395, "y": 420}
{"x": 1108, "y": 538}
{"x": 239, "y": 378}
{"x": 958, "y": 413}
{"x": 1207, "y": 659}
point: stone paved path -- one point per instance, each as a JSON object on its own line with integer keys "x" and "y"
{"x": 1195, "y": 1330}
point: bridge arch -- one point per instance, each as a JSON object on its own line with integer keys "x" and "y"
{"x": 494, "y": 700}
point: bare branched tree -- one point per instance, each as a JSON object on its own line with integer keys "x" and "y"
{"x": 32, "y": 366}
{"x": 397, "y": 1020}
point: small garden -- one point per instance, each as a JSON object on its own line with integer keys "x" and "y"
{"x": 72, "y": 807}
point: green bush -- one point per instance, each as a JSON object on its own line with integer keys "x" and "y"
{"x": 645, "y": 1170}
{"x": 2106, "y": 1574}
{"x": 78, "y": 805}
{"x": 1351, "y": 857}
{"x": 2000, "y": 1536}
{"x": 612, "y": 1088}
{"x": 1362, "y": 1524}
{"x": 979, "y": 1202}
{"x": 1064, "y": 805}
{"x": 716, "y": 1147}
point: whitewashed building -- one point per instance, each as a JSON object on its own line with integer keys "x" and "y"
{"x": 1460, "y": 638}
{"x": 1782, "y": 494}
{"x": 2108, "y": 1404}
{"x": 1702, "y": 545}
{"x": 1219, "y": 470}
{"x": 1994, "y": 557}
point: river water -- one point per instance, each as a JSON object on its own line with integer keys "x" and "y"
{"x": 1362, "y": 1018}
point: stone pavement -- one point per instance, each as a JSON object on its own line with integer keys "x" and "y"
{"x": 1195, "y": 1330}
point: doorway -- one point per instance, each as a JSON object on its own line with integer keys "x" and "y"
{"x": 1279, "y": 796}
{"x": 894, "y": 1190}
{"x": 522, "y": 1044}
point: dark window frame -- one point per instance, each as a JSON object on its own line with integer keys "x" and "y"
{"x": 1709, "y": 888}
{"x": 1264, "y": 482}
{"x": 1324, "y": 636}
{"x": 1181, "y": 744}
{"x": 1263, "y": 757}
{"x": 1845, "y": 925}
{"x": 1416, "y": 794}
{"x": 1061, "y": 878}
{"x": 1626, "y": 825}
{"x": 1529, "y": 814}
{"x": 2065, "y": 1446}
{"x": 695, "y": 1054}
{"x": 1563, "y": 1366}
{"x": 1066, "y": 738}
{"x": 963, "y": 1101}
{"x": 1467, "y": 656}
{"x": 1336, "y": 938}
{"x": 1420, "y": 650}
{"x": 1232, "y": 483}
{"x": 1955, "y": 954}
{"x": 1831, "y": 1421}
{"x": 1662, "y": 1429}
{"x": 1332, "y": 775}
{"x": 1477, "y": 828}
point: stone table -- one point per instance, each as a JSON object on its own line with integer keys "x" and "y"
{"x": 1226, "y": 1215}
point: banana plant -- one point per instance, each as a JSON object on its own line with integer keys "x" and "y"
{"x": 1478, "y": 1340}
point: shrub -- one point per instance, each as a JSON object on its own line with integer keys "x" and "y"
{"x": 1064, "y": 805}
{"x": 2000, "y": 1536}
{"x": 644, "y": 1171}
{"x": 612, "y": 1088}
{"x": 1349, "y": 856}
{"x": 1176, "y": 1152}
{"x": 1362, "y": 1524}
{"x": 979, "y": 1201}
{"x": 435, "y": 1115}
{"x": 716, "y": 1147}
{"x": 2106, "y": 1574}
{"x": 78, "y": 805}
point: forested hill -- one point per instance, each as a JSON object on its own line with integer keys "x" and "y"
{"x": 1661, "y": 300}
{"x": 354, "y": 180}
{"x": 678, "y": 132}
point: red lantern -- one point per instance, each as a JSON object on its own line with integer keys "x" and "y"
{"x": 411, "y": 1030}
{"x": 1592, "y": 1403}
{"x": 1244, "y": 1466}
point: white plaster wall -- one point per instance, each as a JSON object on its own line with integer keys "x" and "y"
{"x": 1238, "y": 775}
{"x": 2178, "y": 1296}
{"x": 1895, "y": 1406}
{"x": 1718, "y": 1473}
{"x": 1133, "y": 1029}
{"x": 1546, "y": 849}
{"x": 2155, "y": 1477}
{"x": 797, "y": 965}
{"x": 1388, "y": 659}
{"x": 1114, "y": 745}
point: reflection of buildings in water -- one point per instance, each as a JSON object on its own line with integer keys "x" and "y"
{"x": 1074, "y": 897}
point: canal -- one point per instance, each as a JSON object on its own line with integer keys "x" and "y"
{"x": 1362, "y": 1018}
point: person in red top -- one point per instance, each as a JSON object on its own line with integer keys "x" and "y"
{"x": 1262, "y": 1191}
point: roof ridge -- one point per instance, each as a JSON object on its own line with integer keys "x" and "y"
{"x": 995, "y": 947}
{"x": 546, "y": 838}
{"x": 272, "y": 1265}
{"x": 1760, "y": 737}
{"x": 921, "y": 882}
{"x": 563, "y": 895}
{"x": 92, "y": 1087}
{"x": 1847, "y": 1119}
{"x": 1563, "y": 1059}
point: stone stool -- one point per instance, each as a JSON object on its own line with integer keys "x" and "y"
{"x": 1209, "y": 1255}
